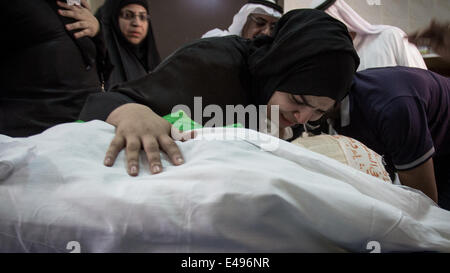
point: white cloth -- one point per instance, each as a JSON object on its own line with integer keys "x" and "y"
{"x": 377, "y": 45}
{"x": 13, "y": 155}
{"x": 388, "y": 48}
{"x": 240, "y": 19}
{"x": 231, "y": 195}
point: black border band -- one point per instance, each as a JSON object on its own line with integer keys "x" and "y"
{"x": 268, "y": 4}
{"x": 325, "y": 5}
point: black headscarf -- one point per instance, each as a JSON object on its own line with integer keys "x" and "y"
{"x": 325, "y": 5}
{"x": 130, "y": 61}
{"x": 310, "y": 53}
{"x": 143, "y": 3}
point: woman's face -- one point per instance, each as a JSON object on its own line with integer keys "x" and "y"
{"x": 133, "y": 23}
{"x": 258, "y": 24}
{"x": 298, "y": 109}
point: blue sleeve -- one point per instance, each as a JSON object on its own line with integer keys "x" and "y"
{"x": 404, "y": 132}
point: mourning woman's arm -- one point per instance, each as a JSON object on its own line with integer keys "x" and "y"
{"x": 212, "y": 69}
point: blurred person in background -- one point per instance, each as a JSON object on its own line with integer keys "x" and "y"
{"x": 257, "y": 17}
{"x": 436, "y": 36}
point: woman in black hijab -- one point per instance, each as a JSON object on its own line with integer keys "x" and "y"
{"x": 129, "y": 39}
{"x": 305, "y": 68}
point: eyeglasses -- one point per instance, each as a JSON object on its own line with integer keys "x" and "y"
{"x": 129, "y": 15}
{"x": 261, "y": 22}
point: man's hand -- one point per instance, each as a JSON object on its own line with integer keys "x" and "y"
{"x": 436, "y": 36}
{"x": 86, "y": 21}
{"x": 137, "y": 126}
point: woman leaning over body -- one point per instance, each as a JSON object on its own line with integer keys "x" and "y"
{"x": 231, "y": 70}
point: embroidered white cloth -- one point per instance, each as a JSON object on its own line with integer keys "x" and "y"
{"x": 348, "y": 151}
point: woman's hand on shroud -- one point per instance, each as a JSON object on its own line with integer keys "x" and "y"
{"x": 138, "y": 127}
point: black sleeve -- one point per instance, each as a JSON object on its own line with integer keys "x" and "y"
{"x": 213, "y": 69}
{"x": 100, "y": 105}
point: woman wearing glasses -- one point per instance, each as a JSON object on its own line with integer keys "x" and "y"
{"x": 129, "y": 39}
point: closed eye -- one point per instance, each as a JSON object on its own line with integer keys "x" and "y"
{"x": 258, "y": 20}
{"x": 303, "y": 102}
{"x": 297, "y": 101}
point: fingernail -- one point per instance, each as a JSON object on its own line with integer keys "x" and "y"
{"x": 108, "y": 161}
{"x": 133, "y": 170}
{"x": 156, "y": 169}
{"x": 180, "y": 160}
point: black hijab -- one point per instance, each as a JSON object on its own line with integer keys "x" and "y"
{"x": 310, "y": 53}
{"x": 130, "y": 61}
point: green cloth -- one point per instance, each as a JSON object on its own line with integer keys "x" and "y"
{"x": 183, "y": 122}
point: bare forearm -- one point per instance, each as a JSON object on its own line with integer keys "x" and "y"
{"x": 421, "y": 178}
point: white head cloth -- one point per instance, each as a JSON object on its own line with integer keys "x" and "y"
{"x": 354, "y": 22}
{"x": 240, "y": 18}
{"x": 377, "y": 45}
